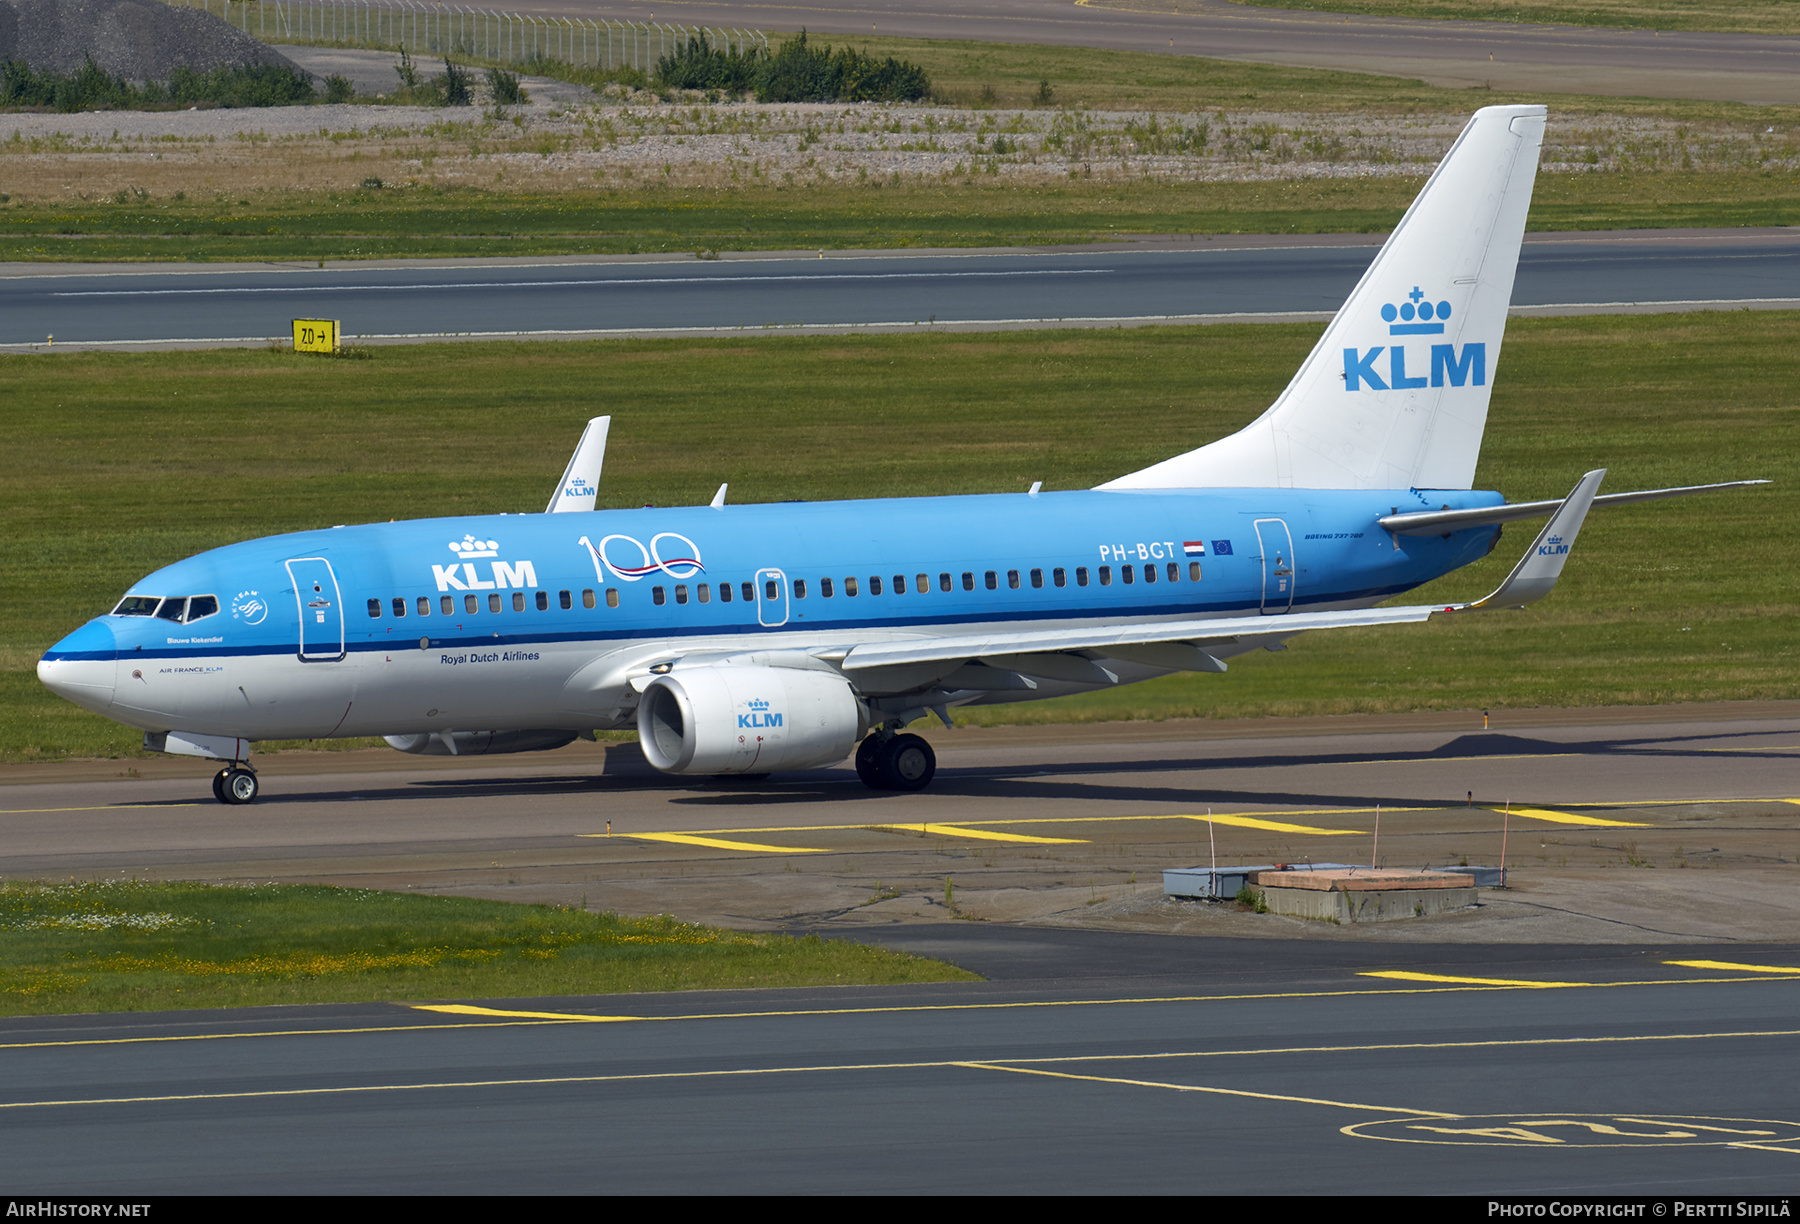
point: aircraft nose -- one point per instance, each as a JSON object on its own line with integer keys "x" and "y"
{"x": 83, "y": 667}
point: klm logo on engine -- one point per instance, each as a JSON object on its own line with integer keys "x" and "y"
{"x": 759, "y": 715}
{"x": 1416, "y": 317}
{"x": 501, "y": 575}
{"x": 1553, "y": 547}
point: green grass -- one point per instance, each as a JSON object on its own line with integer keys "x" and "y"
{"x": 117, "y": 464}
{"x": 136, "y": 946}
{"x": 427, "y": 221}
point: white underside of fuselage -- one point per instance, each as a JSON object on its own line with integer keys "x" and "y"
{"x": 569, "y": 685}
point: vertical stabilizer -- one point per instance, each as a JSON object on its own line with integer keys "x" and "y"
{"x": 1395, "y": 394}
{"x": 580, "y": 485}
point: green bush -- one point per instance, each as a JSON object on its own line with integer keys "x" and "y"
{"x": 796, "y": 72}
{"x": 92, "y": 88}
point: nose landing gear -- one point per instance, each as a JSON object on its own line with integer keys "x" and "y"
{"x": 885, "y": 761}
{"x": 235, "y": 784}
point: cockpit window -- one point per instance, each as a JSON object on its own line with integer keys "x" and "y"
{"x": 182, "y": 609}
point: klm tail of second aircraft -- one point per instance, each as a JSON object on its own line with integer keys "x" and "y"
{"x": 1395, "y": 394}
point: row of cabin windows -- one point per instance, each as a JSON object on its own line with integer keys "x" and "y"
{"x": 496, "y": 602}
{"x": 828, "y": 589}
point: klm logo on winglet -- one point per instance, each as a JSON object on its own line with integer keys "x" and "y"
{"x": 759, "y": 715}
{"x": 1416, "y": 317}
{"x": 1553, "y": 547}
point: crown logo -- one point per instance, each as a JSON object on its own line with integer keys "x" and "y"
{"x": 757, "y": 703}
{"x": 471, "y": 547}
{"x": 1415, "y": 307}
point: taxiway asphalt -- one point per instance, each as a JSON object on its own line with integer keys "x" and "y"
{"x": 1174, "y": 280}
{"x": 1638, "y": 1072}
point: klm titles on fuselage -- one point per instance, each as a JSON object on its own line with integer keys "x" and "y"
{"x": 505, "y": 574}
{"x": 1416, "y": 317}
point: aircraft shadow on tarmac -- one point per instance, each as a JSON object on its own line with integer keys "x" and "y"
{"x": 626, "y": 771}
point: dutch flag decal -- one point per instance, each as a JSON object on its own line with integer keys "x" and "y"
{"x": 1194, "y": 548}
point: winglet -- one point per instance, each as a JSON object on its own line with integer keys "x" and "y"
{"x": 1542, "y": 564}
{"x": 580, "y": 485}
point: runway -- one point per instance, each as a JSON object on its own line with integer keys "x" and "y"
{"x": 1605, "y": 1026}
{"x": 1254, "y": 1071}
{"x": 1170, "y": 281}
{"x": 1459, "y": 54}
{"x": 1603, "y": 818}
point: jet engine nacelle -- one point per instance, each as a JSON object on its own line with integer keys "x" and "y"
{"x": 479, "y": 743}
{"x": 733, "y": 720}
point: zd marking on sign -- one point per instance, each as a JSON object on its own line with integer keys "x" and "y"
{"x": 315, "y": 335}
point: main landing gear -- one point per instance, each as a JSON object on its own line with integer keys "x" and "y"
{"x": 886, "y": 761}
{"x": 235, "y": 784}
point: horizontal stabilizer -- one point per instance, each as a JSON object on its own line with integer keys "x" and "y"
{"x": 1442, "y": 522}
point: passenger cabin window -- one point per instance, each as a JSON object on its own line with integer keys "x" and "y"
{"x": 658, "y": 596}
{"x": 772, "y": 589}
{"x": 543, "y": 601}
{"x": 943, "y": 582}
{"x": 424, "y": 605}
{"x": 447, "y": 605}
{"x": 1174, "y": 572}
{"x": 399, "y": 605}
{"x": 374, "y": 609}
{"x": 849, "y": 587}
{"x": 993, "y": 581}
{"x": 825, "y": 587}
{"x": 518, "y": 601}
{"x": 494, "y": 602}
{"x": 612, "y": 595}
{"x": 1037, "y": 578}
{"x": 1059, "y": 576}
{"x": 724, "y": 592}
{"x": 1193, "y": 571}
{"x": 681, "y": 592}
{"x": 1149, "y": 573}
{"x": 566, "y": 601}
{"x": 968, "y": 581}
{"x": 1012, "y": 580}
{"x": 470, "y": 605}
{"x": 799, "y": 590}
{"x": 587, "y": 599}
{"x": 748, "y": 591}
{"x": 1081, "y": 575}
{"x": 704, "y": 591}
{"x": 1106, "y": 575}
{"x": 874, "y": 584}
{"x": 899, "y": 584}
{"x": 1128, "y": 574}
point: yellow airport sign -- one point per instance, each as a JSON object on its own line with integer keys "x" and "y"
{"x": 315, "y": 335}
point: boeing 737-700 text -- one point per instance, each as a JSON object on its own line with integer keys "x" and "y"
{"x": 756, "y": 638}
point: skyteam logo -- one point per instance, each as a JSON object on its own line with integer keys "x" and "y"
{"x": 1416, "y": 316}
{"x": 759, "y": 715}
{"x": 501, "y": 575}
{"x": 249, "y": 607}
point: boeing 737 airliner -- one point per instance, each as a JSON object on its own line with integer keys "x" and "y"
{"x": 756, "y": 638}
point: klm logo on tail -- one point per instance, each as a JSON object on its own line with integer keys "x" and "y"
{"x": 1416, "y": 317}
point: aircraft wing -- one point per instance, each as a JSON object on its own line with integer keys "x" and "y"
{"x": 1180, "y": 644}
